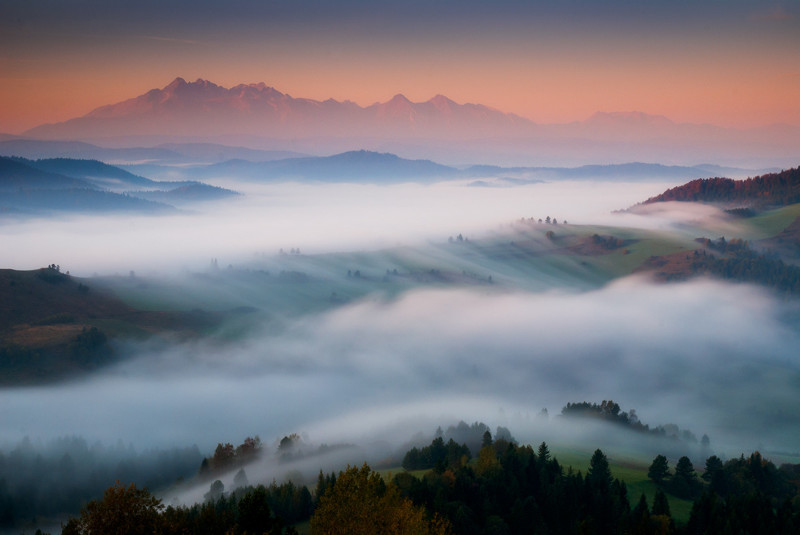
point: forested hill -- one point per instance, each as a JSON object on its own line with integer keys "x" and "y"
{"x": 770, "y": 190}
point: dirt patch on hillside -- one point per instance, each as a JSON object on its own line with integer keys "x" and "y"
{"x": 669, "y": 267}
{"x": 39, "y": 336}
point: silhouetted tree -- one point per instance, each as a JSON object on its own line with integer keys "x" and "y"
{"x": 659, "y": 469}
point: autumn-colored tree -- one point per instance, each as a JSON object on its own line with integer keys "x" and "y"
{"x": 122, "y": 511}
{"x": 361, "y": 503}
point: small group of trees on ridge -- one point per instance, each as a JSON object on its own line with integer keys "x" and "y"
{"x": 610, "y": 411}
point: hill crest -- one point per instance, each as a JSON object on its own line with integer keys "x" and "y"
{"x": 763, "y": 191}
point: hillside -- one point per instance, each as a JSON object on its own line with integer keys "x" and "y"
{"x": 764, "y": 191}
{"x": 53, "y": 325}
{"x": 45, "y": 186}
{"x": 16, "y": 173}
{"x": 353, "y": 166}
{"x": 94, "y": 171}
{"x": 188, "y": 193}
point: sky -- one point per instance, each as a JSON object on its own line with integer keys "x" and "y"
{"x": 731, "y": 63}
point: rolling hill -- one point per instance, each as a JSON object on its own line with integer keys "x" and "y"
{"x": 18, "y": 174}
{"x": 353, "y": 166}
{"x": 760, "y": 192}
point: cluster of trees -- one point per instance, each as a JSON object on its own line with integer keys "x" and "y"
{"x": 610, "y": 411}
{"x": 607, "y": 242}
{"x": 289, "y": 502}
{"x": 744, "y": 495}
{"x": 227, "y": 456}
{"x": 514, "y": 489}
{"x": 547, "y": 220}
{"x": 361, "y": 502}
{"x": 774, "y": 189}
{"x": 437, "y": 454}
{"x": 683, "y": 483}
{"x": 473, "y": 435}
{"x": 131, "y": 510}
{"x": 52, "y": 274}
{"x": 459, "y": 239}
{"x": 741, "y": 263}
{"x": 56, "y": 478}
{"x": 752, "y": 475}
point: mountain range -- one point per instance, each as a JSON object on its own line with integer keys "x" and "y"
{"x": 204, "y": 108}
{"x": 260, "y": 117}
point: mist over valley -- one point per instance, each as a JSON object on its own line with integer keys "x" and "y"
{"x": 217, "y": 298}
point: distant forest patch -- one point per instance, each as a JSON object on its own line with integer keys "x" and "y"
{"x": 770, "y": 190}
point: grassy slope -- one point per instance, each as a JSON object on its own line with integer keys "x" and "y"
{"x": 772, "y": 222}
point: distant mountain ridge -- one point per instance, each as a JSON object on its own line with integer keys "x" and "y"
{"x": 261, "y": 117}
{"x": 173, "y": 153}
{"x": 352, "y": 166}
{"x": 201, "y": 107}
{"x": 16, "y": 173}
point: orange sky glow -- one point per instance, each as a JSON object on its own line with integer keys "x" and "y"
{"x": 742, "y": 72}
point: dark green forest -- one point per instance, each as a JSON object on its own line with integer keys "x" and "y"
{"x": 498, "y": 486}
{"x": 507, "y": 489}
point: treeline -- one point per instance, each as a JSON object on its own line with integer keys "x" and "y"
{"x": 734, "y": 477}
{"x": 773, "y": 189}
{"x": 260, "y": 509}
{"x": 507, "y": 489}
{"x": 512, "y": 489}
{"x": 744, "y": 495}
{"x": 438, "y": 454}
{"x": 226, "y": 456}
{"x": 610, "y": 411}
{"x": 59, "y": 477}
{"x": 471, "y": 437}
{"x": 132, "y": 510}
{"x": 737, "y": 261}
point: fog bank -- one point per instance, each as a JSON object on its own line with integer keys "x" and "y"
{"x": 711, "y": 357}
{"x": 315, "y": 218}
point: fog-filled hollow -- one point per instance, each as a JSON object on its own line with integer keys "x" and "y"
{"x": 714, "y": 358}
{"x": 314, "y": 218}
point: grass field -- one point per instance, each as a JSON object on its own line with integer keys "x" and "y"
{"x": 773, "y": 222}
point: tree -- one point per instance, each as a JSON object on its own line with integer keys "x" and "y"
{"x": 684, "y": 483}
{"x": 599, "y": 475}
{"x": 254, "y": 513}
{"x": 543, "y": 452}
{"x": 713, "y": 465}
{"x": 361, "y": 503}
{"x": 659, "y": 469}
{"x": 487, "y": 439}
{"x": 660, "y": 504}
{"x": 640, "y": 517}
{"x": 122, "y": 511}
{"x": 215, "y": 491}
{"x": 240, "y": 479}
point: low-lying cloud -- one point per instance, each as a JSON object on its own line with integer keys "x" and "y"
{"x": 314, "y": 218}
{"x": 711, "y": 357}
